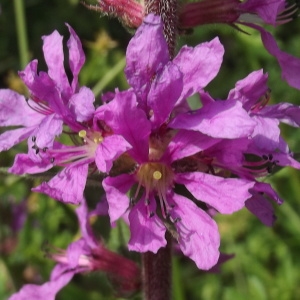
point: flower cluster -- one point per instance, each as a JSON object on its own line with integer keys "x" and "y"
{"x": 166, "y": 167}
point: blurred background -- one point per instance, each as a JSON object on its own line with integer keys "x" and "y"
{"x": 267, "y": 260}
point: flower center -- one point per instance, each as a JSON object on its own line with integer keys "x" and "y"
{"x": 91, "y": 139}
{"x": 155, "y": 177}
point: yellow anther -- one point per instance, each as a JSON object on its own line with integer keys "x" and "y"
{"x": 82, "y": 133}
{"x": 157, "y": 175}
{"x": 98, "y": 139}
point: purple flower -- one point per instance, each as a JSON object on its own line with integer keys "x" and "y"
{"x": 157, "y": 166}
{"x": 248, "y": 13}
{"x": 53, "y": 102}
{"x": 254, "y": 95}
{"x": 84, "y": 255}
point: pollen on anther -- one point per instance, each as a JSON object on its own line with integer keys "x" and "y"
{"x": 82, "y": 133}
{"x": 98, "y": 140}
{"x": 157, "y": 175}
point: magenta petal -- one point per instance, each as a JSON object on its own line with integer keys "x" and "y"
{"x": 15, "y": 111}
{"x": 147, "y": 232}
{"x": 262, "y": 209}
{"x": 119, "y": 115}
{"x": 186, "y": 143}
{"x": 211, "y": 118}
{"x": 164, "y": 93}
{"x": 146, "y": 53}
{"x": 250, "y": 89}
{"x": 198, "y": 233}
{"x": 266, "y": 9}
{"x": 42, "y": 87}
{"x": 24, "y": 165}
{"x": 266, "y": 133}
{"x": 109, "y": 150}
{"x": 116, "y": 189}
{"x": 227, "y": 195}
{"x": 290, "y": 65}
{"x": 82, "y": 104}
{"x": 49, "y": 128}
{"x": 48, "y": 290}
{"x": 85, "y": 227}
{"x": 67, "y": 186}
{"x": 199, "y": 65}
{"x": 284, "y": 112}
{"x": 54, "y": 57}
{"x": 76, "y": 56}
{"x": 12, "y": 137}
{"x": 261, "y": 187}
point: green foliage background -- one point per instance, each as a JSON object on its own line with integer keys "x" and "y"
{"x": 267, "y": 260}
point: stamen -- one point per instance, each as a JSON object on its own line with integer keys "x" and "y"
{"x": 158, "y": 178}
{"x": 157, "y": 175}
{"x": 82, "y": 133}
{"x": 39, "y": 106}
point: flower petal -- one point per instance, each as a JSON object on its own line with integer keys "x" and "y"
{"x": 81, "y": 105}
{"x": 15, "y": 111}
{"x": 48, "y": 290}
{"x": 267, "y": 10}
{"x": 250, "y": 89}
{"x": 24, "y": 165}
{"x": 76, "y": 56}
{"x": 186, "y": 143}
{"x": 290, "y": 65}
{"x": 54, "y": 57}
{"x": 227, "y": 195}
{"x": 284, "y": 112}
{"x": 199, "y": 65}
{"x": 12, "y": 137}
{"x": 116, "y": 189}
{"x": 146, "y": 53}
{"x": 164, "y": 93}
{"x": 67, "y": 186}
{"x": 198, "y": 233}
{"x": 262, "y": 209}
{"x": 109, "y": 150}
{"x": 147, "y": 232}
{"x": 119, "y": 115}
{"x": 211, "y": 118}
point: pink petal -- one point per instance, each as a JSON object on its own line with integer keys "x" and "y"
{"x": 199, "y": 65}
{"x": 54, "y": 57}
{"x": 186, "y": 143}
{"x": 227, "y": 195}
{"x": 82, "y": 105}
{"x": 48, "y": 290}
{"x": 211, "y": 118}
{"x": 146, "y": 53}
{"x": 15, "y": 111}
{"x": 12, "y": 137}
{"x": 109, "y": 150}
{"x": 198, "y": 233}
{"x": 147, "y": 232}
{"x": 289, "y": 64}
{"x": 164, "y": 93}
{"x": 250, "y": 89}
{"x": 67, "y": 186}
{"x": 262, "y": 209}
{"x": 76, "y": 56}
{"x": 24, "y": 165}
{"x": 116, "y": 189}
